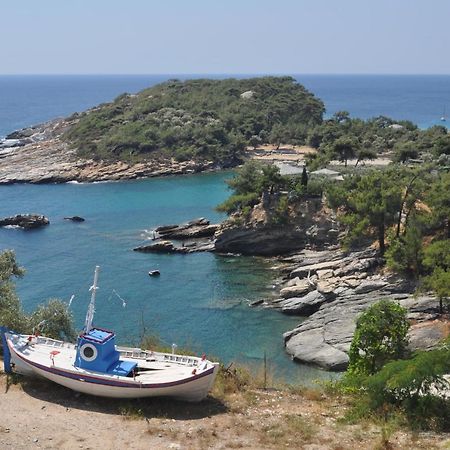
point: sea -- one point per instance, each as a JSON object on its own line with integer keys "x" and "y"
{"x": 200, "y": 301}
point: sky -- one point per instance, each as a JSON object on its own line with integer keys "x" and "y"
{"x": 224, "y": 36}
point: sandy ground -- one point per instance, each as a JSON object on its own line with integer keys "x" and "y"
{"x": 288, "y": 153}
{"x": 297, "y": 154}
{"x": 41, "y": 415}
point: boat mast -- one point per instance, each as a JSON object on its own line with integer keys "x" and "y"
{"x": 91, "y": 308}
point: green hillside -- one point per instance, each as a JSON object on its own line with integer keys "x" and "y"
{"x": 197, "y": 119}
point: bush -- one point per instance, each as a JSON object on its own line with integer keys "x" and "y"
{"x": 380, "y": 336}
{"x": 54, "y": 318}
{"x": 413, "y": 386}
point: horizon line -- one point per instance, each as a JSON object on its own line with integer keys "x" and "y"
{"x": 225, "y": 73}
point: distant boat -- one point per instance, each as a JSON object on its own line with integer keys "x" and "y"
{"x": 443, "y": 117}
{"x": 96, "y": 366}
{"x": 154, "y": 273}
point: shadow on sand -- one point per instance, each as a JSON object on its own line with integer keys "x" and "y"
{"x": 157, "y": 407}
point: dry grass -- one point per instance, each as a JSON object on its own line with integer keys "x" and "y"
{"x": 239, "y": 414}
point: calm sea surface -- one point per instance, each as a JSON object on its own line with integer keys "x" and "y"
{"x": 200, "y": 300}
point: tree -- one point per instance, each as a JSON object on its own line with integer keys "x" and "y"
{"x": 304, "y": 180}
{"x": 277, "y": 135}
{"x": 367, "y": 202}
{"x": 345, "y": 148}
{"x": 341, "y": 116}
{"x": 55, "y": 319}
{"x": 365, "y": 153}
{"x": 255, "y": 141}
{"x": 246, "y": 179}
{"x": 437, "y": 261}
{"x": 249, "y": 183}
{"x": 405, "y": 253}
{"x": 11, "y": 313}
{"x": 412, "y": 385}
{"x": 439, "y": 282}
{"x": 404, "y": 151}
{"x": 55, "y": 315}
{"x": 380, "y": 336}
{"x": 438, "y": 198}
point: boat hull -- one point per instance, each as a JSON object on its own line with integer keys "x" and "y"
{"x": 193, "y": 388}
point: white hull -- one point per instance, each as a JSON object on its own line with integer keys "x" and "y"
{"x": 193, "y": 391}
{"x": 194, "y": 383}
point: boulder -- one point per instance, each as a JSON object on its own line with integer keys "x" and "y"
{"x": 311, "y": 348}
{"x": 303, "y": 271}
{"x": 296, "y": 290}
{"x": 158, "y": 247}
{"x": 75, "y": 219}
{"x": 25, "y": 221}
{"x": 322, "y": 338}
{"x": 369, "y": 286}
{"x": 303, "y": 306}
{"x": 427, "y": 335}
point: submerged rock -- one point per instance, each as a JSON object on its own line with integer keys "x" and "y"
{"x": 160, "y": 247}
{"x": 75, "y": 219}
{"x": 25, "y": 221}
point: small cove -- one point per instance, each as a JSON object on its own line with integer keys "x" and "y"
{"x": 200, "y": 301}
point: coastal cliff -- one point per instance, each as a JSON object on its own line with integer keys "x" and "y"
{"x": 41, "y": 155}
{"x": 310, "y": 225}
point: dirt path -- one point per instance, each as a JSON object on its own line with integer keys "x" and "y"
{"x": 41, "y": 415}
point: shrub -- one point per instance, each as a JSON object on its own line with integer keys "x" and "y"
{"x": 414, "y": 385}
{"x": 380, "y": 336}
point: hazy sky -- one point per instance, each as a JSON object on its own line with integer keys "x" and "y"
{"x": 224, "y": 36}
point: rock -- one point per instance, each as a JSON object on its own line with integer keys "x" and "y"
{"x": 325, "y": 337}
{"x": 25, "y": 221}
{"x": 296, "y": 290}
{"x": 310, "y": 347}
{"x": 303, "y": 271}
{"x": 257, "y": 302}
{"x": 198, "y": 228}
{"x": 158, "y": 247}
{"x": 259, "y": 235}
{"x": 75, "y": 219}
{"x": 427, "y": 335}
{"x": 164, "y": 228}
{"x": 41, "y": 155}
{"x": 303, "y": 306}
{"x": 327, "y": 286}
{"x": 369, "y": 286}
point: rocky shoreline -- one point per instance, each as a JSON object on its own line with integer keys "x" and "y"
{"x": 331, "y": 289}
{"x": 39, "y": 155}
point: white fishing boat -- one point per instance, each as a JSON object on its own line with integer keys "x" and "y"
{"x": 96, "y": 366}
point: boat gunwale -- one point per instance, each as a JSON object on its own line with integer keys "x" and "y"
{"x": 84, "y": 377}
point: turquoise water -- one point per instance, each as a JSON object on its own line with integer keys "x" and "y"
{"x": 199, "y": 301}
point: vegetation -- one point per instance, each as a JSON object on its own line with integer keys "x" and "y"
{"x": 197, "y": 119}
{"x": 380, "y": 336}
{"x": 343, "y": 138}
{"x": 53, "y": 317}
{"x": 411, "y": 385}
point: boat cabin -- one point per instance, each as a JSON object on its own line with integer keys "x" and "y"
{"x": 96, "y": 351}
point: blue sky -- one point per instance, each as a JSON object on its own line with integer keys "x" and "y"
{"x": 224, "y": 36}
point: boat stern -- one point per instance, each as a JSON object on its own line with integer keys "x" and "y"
{"x": 6, "y": 353}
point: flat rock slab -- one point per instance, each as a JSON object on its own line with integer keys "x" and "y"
{"x": 324, "y": 338}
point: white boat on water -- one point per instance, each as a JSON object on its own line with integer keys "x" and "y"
{"x": 96, "y": 366}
